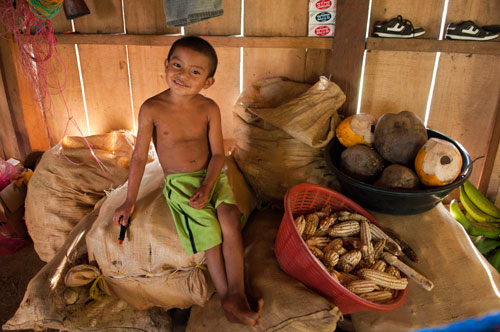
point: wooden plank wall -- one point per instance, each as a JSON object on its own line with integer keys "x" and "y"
{"x": 465, "y": 103}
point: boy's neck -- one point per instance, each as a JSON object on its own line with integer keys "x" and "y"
{"x": 180, "y": 98}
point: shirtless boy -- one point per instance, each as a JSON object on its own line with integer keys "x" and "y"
{"x": 186, "y": 130}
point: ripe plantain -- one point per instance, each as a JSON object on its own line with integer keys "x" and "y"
{"x": 480, "y": 200}
{"x": 475, "y": 212}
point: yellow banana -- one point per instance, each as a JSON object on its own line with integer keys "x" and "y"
{"x": 480, "y": 200}
{"x": 473, "y": 210}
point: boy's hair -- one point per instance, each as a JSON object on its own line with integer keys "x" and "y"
{"x": 199, "y": 45}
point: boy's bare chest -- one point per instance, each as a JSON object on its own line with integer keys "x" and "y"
{"x": 178, "y": 128}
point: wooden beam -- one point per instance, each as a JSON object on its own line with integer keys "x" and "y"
{"x": 433, "y": 45}
{"x": 216, "y": 41}
{"x": 348, "y": 49}
{"x": 489, "y": 163}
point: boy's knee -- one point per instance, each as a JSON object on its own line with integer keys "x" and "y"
{"x": 229, "y": 215}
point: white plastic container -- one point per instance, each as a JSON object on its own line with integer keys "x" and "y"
{"x": 321, "y": 30}
{"x": 323, "y": 17}
{"x": 322, "y": 5}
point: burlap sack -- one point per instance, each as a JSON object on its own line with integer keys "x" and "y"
{"x": 288, "y": 304}
{"x": 465, "y": 284}
{"x": 271, "y": 159}
{"x": 60, "y": 193}
{"x": 44, "y": 304}
{"x": 151, "y": 267}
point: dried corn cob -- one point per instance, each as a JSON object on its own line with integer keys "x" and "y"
{"x": 366, "y": 237}
{"x": 383, "y": 279}
{"x": 390, "y": 244}
{"x": 334, "y": 244}
{"x": 341, "y": 251}
{"x": 361, "y": 286}
{"x": 348, "y": 261}
{"x": 379, "y": 266}
{"x": 325, "y": 212}
{"x": 352, "y": 216}
{"x": 411, "y": 273}
{"x": 393, "y": 271}
{"x": 317, "y": 252}
{"x": 319, "y": 232}
{"x": 343, "y": 277}
{"x": 377, "y": 296}
{"x": 318, "y": 241}
{"x": 300, "y": 224}
{"x": 346, "y": 228}
{"x": 331, "y": 258}
{"x": 378, "y": 248}
{"x": 353, "y": 242}
{"x": 326, "y": 223}
{"x": 312, "y": 221}
{"x": 405, "y": 247}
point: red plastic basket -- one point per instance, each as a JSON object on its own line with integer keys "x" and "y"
{"x": 295, "y": 258}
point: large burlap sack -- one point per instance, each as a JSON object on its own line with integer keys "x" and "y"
{"x": 465, "y": 284}
{"x": 151, "y": 267}
{"x": 279, "y": 126}
{"x": 60, "y": 193}
{"x": 45, "y": 304}
{"x": 288, "y": 304}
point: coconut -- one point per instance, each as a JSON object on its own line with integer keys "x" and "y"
{"x": 438, "y": 162}
{"x": 361, "y": 162}
{"x": 397, "y": 176}
{"x": 356, "y": 129}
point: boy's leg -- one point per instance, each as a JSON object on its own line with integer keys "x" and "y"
{"x": 235, "y": 302}
{"x": 217, "y": 270}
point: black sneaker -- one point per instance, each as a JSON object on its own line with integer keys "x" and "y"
{"x": 396, "y": 27}
{"x": 468, "y": 30}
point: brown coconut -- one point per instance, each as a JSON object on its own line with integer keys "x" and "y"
{"x": 361, "y": 162}
{"x": 397, "y": 176}
{"x": 399, "y": 137}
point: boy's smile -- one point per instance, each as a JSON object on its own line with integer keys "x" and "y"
{"x": 187, "y": 71}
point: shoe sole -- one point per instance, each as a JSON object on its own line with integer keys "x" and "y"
{"x": 390, "y": 35}
{"x": 455, "y": 37}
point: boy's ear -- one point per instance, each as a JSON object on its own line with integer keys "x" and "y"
{"x": 166, "y": 62}
{"x": 209, "y": 82}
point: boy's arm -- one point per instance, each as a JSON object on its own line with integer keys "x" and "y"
{"x": 201, "y": 196}
{"x": 137, "y": 164}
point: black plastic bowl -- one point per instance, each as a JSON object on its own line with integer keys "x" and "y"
{"x": 395, "y": 201}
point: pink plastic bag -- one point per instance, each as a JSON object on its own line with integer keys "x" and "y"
{"x": 7, "y": 173}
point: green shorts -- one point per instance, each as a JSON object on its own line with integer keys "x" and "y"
{"x": 198, "y": 230}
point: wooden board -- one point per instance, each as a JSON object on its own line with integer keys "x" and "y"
{"x": 105, "y": 17}
{"x": 67, "y": 103}
{"x": 426, "y": 14}
{"x": 492, "y": 189}
{"x": 318, "y": 63}
{"x": 8, "y": 140}
{"x": 397, "y": 81}
{"x": 107, "y": 92}
{"x": 276, "y": 18}
{"x": 465, "y": 102}
{"x": 227, "y": 24}
{"x": 480, "y": 11}
{"x": 60, "y": 23}
{"x": 262, "y": 63}
{"x": 147, "y": 17}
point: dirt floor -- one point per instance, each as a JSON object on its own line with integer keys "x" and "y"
{"x": 16, "y": 270}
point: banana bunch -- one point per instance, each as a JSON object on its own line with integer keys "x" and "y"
{"x": 481, "y": 221}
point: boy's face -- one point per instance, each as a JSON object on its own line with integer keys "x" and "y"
{"x": 187, "y": 71}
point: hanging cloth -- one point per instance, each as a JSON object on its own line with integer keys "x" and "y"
{"x": 186, "y": 12}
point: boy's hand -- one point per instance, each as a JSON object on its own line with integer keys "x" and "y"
{"x": 200, "y": 197}
{"x": 124, "y": 212}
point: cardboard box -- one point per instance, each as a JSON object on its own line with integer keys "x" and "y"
{"x": 321, "y": 30}
{"x": 12, "y": 211}
{"x": 322, "y": 5}
{"x": 324, "y": 17}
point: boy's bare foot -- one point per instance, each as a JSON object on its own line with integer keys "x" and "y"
{"x": 238, "y": 311}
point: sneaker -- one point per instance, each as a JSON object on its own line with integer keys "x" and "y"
{"x": 396, "y": 27}
{"x": 468, "y": 30}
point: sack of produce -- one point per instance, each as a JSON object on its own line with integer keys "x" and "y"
{"x": 151, "y": 268}
{"x": 288, "y": 304}
{"x": 280, "y": 128}
{"x": 56, "y": 300}
{"x": 60, "y": 193}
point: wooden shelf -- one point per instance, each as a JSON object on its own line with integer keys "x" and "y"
{"x": 216, "y": 41}
{"x": 433, "y": 45}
